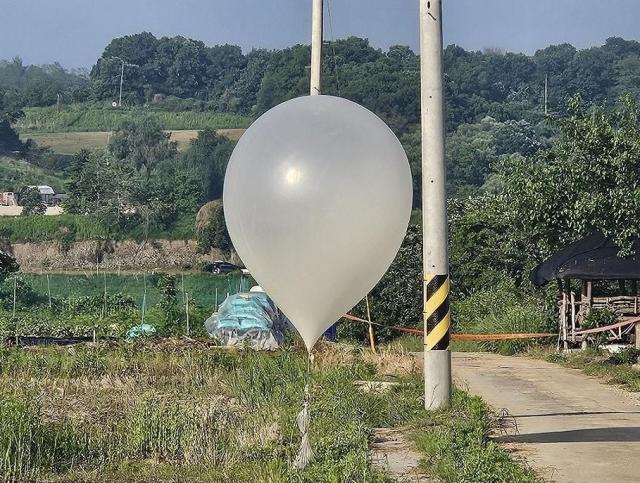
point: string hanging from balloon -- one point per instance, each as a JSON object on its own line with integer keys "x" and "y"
{"x": 303, "y": 420}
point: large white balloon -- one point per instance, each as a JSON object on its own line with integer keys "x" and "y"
{"x": 317, "y": 198}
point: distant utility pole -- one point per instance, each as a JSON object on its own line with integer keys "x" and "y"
{"x": 123, "y": 63}
{"x": 546, "y": 94}
{"x": 316, "y": 47}
{"x": 437, "y": 318}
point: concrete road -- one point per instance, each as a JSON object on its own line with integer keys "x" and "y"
{"x": 571, "y": 428}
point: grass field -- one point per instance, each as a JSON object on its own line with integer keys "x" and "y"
{"x": 175, "y": 410}
{"x": 16, "y": 173}
{"x": 97, "y": 118}
{"x": 72, "y": 142}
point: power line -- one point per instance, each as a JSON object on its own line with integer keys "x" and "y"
{"x": 333, "y": 47}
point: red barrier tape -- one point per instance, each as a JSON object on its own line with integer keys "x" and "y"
{"x": 420, "y": 333}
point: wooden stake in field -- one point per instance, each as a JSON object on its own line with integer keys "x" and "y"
{"x": 187, "y": 309}
{"x": 372, "y": 340}
{"x": 144, "y": 298}
{"x": 104, "y": 308}
{"x": 15, "y": 322}
{"x": 15, "y": 288}
{"x": 49, "y": 289}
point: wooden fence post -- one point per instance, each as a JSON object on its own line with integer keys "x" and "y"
{"x": 372, "y": 340}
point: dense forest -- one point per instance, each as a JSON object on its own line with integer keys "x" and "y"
{"x": 222, "y": 78}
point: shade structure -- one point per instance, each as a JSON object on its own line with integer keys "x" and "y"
{"x": 595, "y": 257}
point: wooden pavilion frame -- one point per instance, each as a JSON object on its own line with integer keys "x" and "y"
{"x": 574, "y": 307}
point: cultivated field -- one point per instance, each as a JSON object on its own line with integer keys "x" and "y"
{"x": 72, "y": 142}
{"x": 99, "y": 118}
{"x": 201, "y": 287}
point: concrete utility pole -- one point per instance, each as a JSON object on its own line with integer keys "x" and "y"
{"x": 546, "y": 94}
{"x": 123, "y": 63}
{"x": 316, "y": 47}
{"x": 437, "y": 318}
{"x": 121, "y": 82}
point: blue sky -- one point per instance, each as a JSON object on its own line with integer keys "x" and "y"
{"x": 75, "y": 32}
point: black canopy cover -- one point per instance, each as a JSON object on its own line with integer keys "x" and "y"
{"x": 592, "y": 258}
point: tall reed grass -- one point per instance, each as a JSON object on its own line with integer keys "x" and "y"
{"x": 113, "y": 412}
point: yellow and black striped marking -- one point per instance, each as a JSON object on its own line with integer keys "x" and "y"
{"x": 436, "y": 311}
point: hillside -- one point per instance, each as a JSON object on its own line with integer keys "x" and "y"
{"x": 16, "y": 173}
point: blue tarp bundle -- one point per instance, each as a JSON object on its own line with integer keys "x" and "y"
{"x": 143, "y": 330}
{"x": 248, "y": 319}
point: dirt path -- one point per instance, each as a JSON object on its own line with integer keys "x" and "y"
{"x": 392, "y": 452}
{"x": 572, "y": 428}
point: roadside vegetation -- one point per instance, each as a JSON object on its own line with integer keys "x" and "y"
{"x": 621, "y": 369}
{"x": 457, "y": 445}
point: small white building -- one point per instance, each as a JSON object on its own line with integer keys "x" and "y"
{"x": 46, "y": 193}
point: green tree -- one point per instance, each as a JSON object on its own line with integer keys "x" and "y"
{"x": 9, "y": 113}
{"x": 143, "y": 144}
{"x": 40, "y": 85}
{"x": 31, "y": 201}
{"x": 211, "y": 228}
{"x": 207, "y": 159}
{"x": 588, "y": 180}
{"x": 484, "y": 246}
{"x": 8, "y": 265}
{"x": 397, "y": 298}
{"x": 101, "y": 185}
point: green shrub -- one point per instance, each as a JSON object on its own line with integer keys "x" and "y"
{"x": 63, "y": 228}
{"x": 67, "y": 228}
{"x": 50, "y": 323}
{"x": 501, "y": 309}
{"x": 599, "y": 318}
{"x": 25, "y": 295}
{"x": 629, "y": 355}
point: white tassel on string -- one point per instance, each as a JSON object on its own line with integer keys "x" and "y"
{"x": 303, "y": 419}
